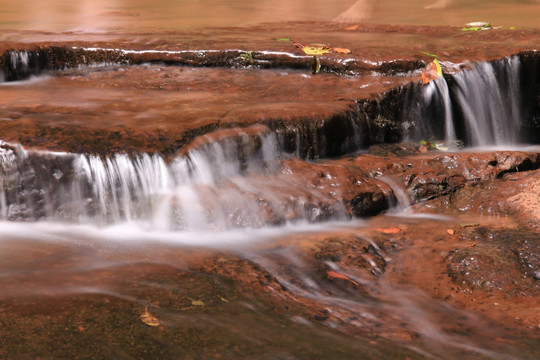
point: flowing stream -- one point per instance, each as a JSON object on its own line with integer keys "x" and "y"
{"x": 242, "y": 243}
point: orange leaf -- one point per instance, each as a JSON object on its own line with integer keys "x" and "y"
{"x": 431, "y": 72}
{"x": 337, "y": 275}
{"x": 470, "y": 245}
{"x": 342, "y": 50}
{"x": 450, "y": 231}
{"x": 390, "y": 230}
{"x": 352, "y": 27}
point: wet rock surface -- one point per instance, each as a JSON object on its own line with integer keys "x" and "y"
{"x": 391, "y": 286}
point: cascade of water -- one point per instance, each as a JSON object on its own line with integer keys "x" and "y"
{"x": 489, "y": 100}
{"x": 425, "y": 114}
{"x": 215, "y": 186}
{"x": 481, "y": 107}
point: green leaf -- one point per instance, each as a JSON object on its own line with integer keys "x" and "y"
{"x": 429, "y": 54}
{"x": 283, "y": 39}
{"x": 439, "y": 69}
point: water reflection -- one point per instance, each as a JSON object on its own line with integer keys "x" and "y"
{"x": 119, "y": 15}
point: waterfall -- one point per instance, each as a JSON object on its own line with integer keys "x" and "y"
{"x": 216, "y": 185}
{"x": 488, "y": 96}
{"x": 479, "y": 106}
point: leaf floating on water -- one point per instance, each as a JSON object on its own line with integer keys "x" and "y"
{"x": 149, "y": 319}
{"x": 316, "y": 49}
{"x": 431, "y": 72}
{"x": 469, "y": 225}
{"x": 352, "y": 27}
{"x": 336, "y": 275}
{"x": 390, "y": 230}
{"x": 342, "y": 50}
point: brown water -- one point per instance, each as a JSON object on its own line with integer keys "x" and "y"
{"x": 138, "y": 15}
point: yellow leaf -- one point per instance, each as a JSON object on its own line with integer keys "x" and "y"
{"x": 149, "y": 319}
{"x": 223, "y": 299}
{"x": 316, "y": 49}
{"x": 196, "y": 302}
{"x": 352, "y": 27}
{"x": 342, "y": 50}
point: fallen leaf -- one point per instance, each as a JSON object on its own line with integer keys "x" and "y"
{"x": 432, "y": 71}
{"x": 316, "y": 49}
{"x": 352, "y": 27}
{"x": 476, "y": 26}
{"x": 429, "y": 54}
{"x": 469, "y": 225}
{"x": 283, "y": 39}
{"x": 450, "y": 231}
{"x": 223, "y": 299}
{"x": 390, "y": 230}
{"x": 342, "y": 50}
{"x": 336, "y": 275}
{"x": 470, "y": 245}
{"x": 196, "y": 302}
{"x": 149, "y": 319}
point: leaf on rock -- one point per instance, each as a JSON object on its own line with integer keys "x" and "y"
{"x": 429, "y": 54}
{"x": 431, "y": 72}
{"x": 316, "y": 49}
{"x": 196, "y": 302}
{"x": 342, "y": 50}
{"x": 336, "y": 275}
{"x": 390, "y": 230}
{"x": 149, "y": 319}
{"x": 476, "y": 26}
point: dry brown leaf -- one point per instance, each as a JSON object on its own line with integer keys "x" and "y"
{"x": 470, "y": 245}
{"x": 149, "y": 319}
